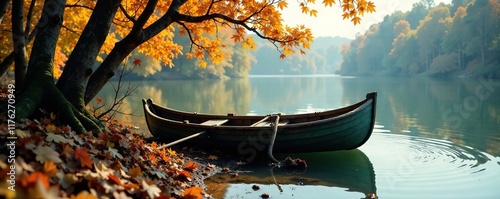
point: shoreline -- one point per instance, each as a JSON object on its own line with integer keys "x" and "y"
{"x": 51, "y": 160}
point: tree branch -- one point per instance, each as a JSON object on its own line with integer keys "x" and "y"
{"x": 124, "y": 11}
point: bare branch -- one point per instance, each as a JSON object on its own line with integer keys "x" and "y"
{"x": 131, "y": 18}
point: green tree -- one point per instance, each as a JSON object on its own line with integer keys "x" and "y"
{"x": 430, "y": 34}
{"x": 454, "y": 41}
{"x": 482, "y": 22}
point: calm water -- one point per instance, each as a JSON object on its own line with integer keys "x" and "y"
{"x": 433, "y": 138}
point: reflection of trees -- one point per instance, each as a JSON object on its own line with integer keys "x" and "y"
{"x": 207, "y": 96}
{"x": 429, "y": 108}
{"x": 288, "y": 94}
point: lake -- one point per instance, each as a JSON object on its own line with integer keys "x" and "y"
{"x": 432, "y": 139}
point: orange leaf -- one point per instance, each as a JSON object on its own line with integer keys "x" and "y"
{"x": 184, "y": 174}
{"x": 83, "y": 195}
{"x": 193, "y": 193}
{"x": 114, "y": 179}
{"x": 50, "y": 168}
{"x": 153, "y": 159}
{"x": 191, "y": 166}
{"x": 33, "y": 178}
{"x": 136, "y": 171}
{"x": 356, "y": 20}
{"x": 99, "y": 100}
{"x": 84, "y": 157}
{"x": 131, "y": 186}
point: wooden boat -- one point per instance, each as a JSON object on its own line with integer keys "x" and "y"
{"x": 340, "y": 129}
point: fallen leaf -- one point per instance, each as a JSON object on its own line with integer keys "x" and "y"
{"x": 152, "y": 190}
{"x": 191, "y": 166}
{"x": 51, "y": 128}
{"x": 136, "y": 171}
{"x": 68, "y": 180}
{"x": 131, "y": 186}
{"x": 51, "y": 137}
{"x": 171, "y": 152}
{"x": 114, "y": 153}
{"x": 84, "y": 157}
{"x": 184, "y": 174}
{"x": 193, "y": 193}
{"x": 83, "y": 195}
{"x": 121, "y": 195}
{"x": 213, "y": 157}
{"x": 50, "y": 169}
{"x": 45, "y": 154}
{"x": 32, "y": 179}
{"x": 112, "y": 178}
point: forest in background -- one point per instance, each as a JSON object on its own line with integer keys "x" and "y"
{"x": 324, "y": 57}
{"x": 459, "y": 39}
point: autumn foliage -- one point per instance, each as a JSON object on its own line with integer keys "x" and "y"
{"x": 55, "y": 162}
{"x": 199, "y": 20}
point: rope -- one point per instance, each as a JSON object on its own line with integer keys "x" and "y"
{"x": 273, "y": 138}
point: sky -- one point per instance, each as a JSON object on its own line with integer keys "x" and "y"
{"x": 329, "y": 21}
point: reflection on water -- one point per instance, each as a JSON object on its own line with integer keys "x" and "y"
{"x": 349, "y": 171}
{"x": 434, "y": 138}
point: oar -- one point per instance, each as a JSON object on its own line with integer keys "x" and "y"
{"x": 182, "y": 140}
{"x": 263, "y": 119}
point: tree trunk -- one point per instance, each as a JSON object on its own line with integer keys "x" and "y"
{"x": 122, "y": 49}
{"x": 3, "y": 8}
{"x": 40, "y": 91}
{"x": 19, "y": 43}
{"x": 78, "y": 69}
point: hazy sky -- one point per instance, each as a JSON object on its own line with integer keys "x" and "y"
{"x": 329, "y": 21}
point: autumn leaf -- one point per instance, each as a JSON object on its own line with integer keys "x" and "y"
{"x": 99, "y": 100}
{"x": 184, "y": 174}
{"x": 137, "y": 62}
{"x": 213, "y": 157}
{"x": 84, "y": 157}
{"x": 191, "y": 166}
{"x": 153, "y": 158}
{"x": 112, "y": 178}
{"x": 130, "y": 186}
{"x": 356, "y": 20}
{"x": 32, "y": 179}
{"x": 282, "y": 4}
{"x": 45, "y": 154}
{"x": 83, "y": 195}
{"x": 51, "y": 128}
{"x": 152, "y": 190}
{"x": 171, "y": 152}
{"x": 202, "y": 64}
{"x": 114, "y": 153}
{"x": 193, "y": 193}
{"x": 50, "y": 169}
{"x": 51, "y": 137}
{"x": 136, "y": 171}
{"x": 313, "y": 13}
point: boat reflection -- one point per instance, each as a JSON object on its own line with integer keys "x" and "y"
{"x": 348, "y": 171}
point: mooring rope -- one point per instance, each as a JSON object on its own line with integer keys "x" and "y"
{"x": 273, "y": 138}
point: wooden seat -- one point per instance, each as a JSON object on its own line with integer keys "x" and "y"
{"x": 214, "y": 122}
{"x": 269, "y": 123}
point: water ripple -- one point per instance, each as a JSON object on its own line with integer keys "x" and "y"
{"x": 408, "y": 164}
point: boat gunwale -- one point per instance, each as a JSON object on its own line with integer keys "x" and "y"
{"x": 351, "y": 109}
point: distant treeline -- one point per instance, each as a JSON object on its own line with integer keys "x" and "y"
{"x": 457, "y": 39}
{"x": 324, "y": 57}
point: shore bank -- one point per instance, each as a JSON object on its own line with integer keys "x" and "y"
{"x": 51, "y": 161}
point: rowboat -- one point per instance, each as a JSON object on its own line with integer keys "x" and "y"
{"x": 339, "y": 129}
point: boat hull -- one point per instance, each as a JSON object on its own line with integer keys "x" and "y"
{"x": 340, "y": 129}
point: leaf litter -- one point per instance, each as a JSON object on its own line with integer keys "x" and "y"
{"x": 54, "y": 162}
